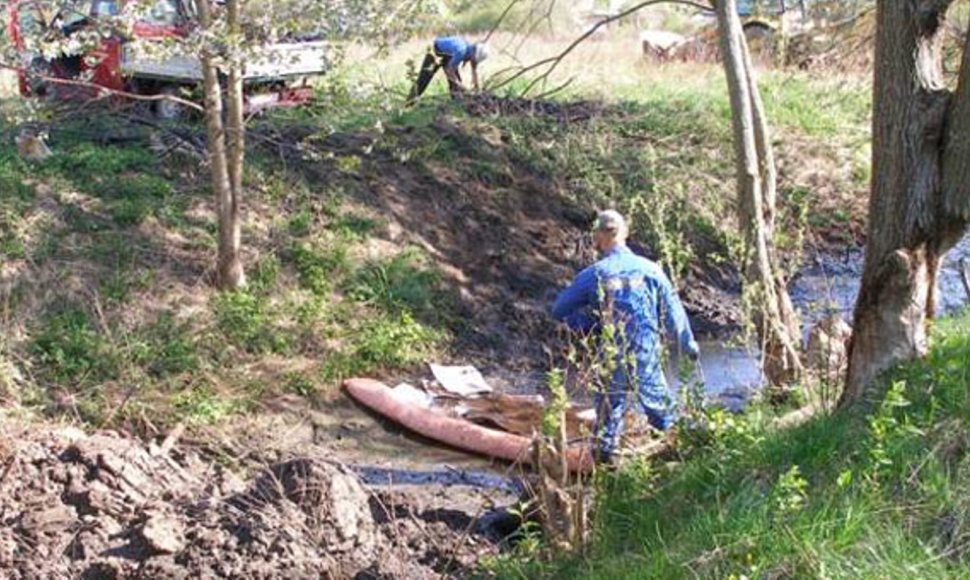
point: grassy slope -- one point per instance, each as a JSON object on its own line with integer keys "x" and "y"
{"x": 678, "y": 132}
{"x": 882, "y": 494}
{"x": 107, "y": 314}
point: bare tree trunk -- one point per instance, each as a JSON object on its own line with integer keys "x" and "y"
{"x": 774, "y": 316}
{"x": 919, "y": 202}
{"x": 229, "y": 266}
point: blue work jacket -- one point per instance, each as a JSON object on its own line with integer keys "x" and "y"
{"x": 641, "y": 301}
{"x": 457, "y": 49}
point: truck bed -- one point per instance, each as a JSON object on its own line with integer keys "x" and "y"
{"x": 275, "y": 62}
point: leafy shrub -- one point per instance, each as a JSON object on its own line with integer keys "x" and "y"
{"x": 394, "y": 341}
{"x": 396, "y": 285}
{"x": 247, "y": 322}
{"x": 264, "y": 275}
{"x": 71, "y": 349}
{"x": 172, "y": 347}
{"x": 299, "y": 224}
{"x": 351, "y": 227}
{"x": 202, "y": 406}
{"x": 318, "y": 267}
{"x": 382, "y": 342}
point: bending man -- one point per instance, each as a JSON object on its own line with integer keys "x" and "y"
{"x": 449, "y": 52}
{"x": 635, "y": 298}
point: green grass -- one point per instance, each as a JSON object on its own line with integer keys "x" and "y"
{"x": 126, "y": 239}
{"x": 70, "y": 348}
{"x": 398, "y": 284}
{"x": 108, "y": 323}
{"x": 876, "y": 494}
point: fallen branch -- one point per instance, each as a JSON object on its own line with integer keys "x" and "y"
{"x": 171, "y": 439}
{"x": 102, "y": 89}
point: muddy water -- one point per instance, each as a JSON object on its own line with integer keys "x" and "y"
{"x": 381, "y": 452}
{"x": 828, "y": 284}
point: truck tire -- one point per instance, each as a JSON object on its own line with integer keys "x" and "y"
{"x": 761, "y": 40}
{"x": 166, "y": 109}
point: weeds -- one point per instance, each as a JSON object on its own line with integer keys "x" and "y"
{"x": 846, "y": 494}
{"x": 401, "y": 283}
{"x": 381, "y": 342}
{"x": 169, "y": 347}
{"x": 202, "y": 406}
{"x": 71, "y": 349}
{"x": 319, "y": 266}
{"x": 248, "y": 322}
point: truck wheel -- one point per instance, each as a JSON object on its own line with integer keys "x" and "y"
{"x": 38, "y": 85}
{"x": 167, "y": 109}
{"x": 761, "y": 42}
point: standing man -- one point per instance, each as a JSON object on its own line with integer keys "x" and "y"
{"x": 449, "y": 52}
{"x": 630, "y": 301}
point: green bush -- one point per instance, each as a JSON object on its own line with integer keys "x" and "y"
{"x": 264, "y": 274}
{"x": 129, "y": 212}
{"x": 319, "y": 267}
{"x": 381, "y": 342}
{"x": 351, "y": 227}
{"x": 94, "y": 167}
{"x": 300, "y": 223}
{"x": 70, "y": 348}
{"x": 396, "y": 285}
{"x": 248, "y": 323}
{"x": 171, "y": 347}
{"x": 202, "y": 406}
{"x": 394, "y": 341}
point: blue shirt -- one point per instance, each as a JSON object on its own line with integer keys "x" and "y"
{"x": 639, "y": 296}
{"x": 458, "y": 50}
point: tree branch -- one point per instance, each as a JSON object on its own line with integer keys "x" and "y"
{"x": 103, "y": 89}
{"x": 554, "y": 61}
{"x": 501, "y": 18}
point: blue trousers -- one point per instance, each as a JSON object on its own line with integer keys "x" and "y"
{"x": 654, "y": 401}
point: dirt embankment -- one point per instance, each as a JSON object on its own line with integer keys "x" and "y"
{"x": 107, "y": 506}
{"x": 506, "y": 238}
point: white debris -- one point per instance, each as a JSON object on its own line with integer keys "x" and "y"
{"x": 464, "y": 381}
{"x": 411, "y": 395}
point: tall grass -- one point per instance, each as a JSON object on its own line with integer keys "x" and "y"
{"x": 877, "y": 493}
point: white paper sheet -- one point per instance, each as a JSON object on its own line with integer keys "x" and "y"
{"x": 465, "y": 381}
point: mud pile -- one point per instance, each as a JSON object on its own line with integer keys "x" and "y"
{"x": 488, "y": 104}
{"x": 107, "y": 506}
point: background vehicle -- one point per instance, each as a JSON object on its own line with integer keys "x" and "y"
{"x": 768, "y": 23}
{"x": 276, "y": 74}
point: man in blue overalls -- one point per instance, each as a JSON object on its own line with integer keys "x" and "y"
{"x": 449, "y": 52}
{"x": 630, "y": 302}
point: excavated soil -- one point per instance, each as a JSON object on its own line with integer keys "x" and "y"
{"x": 107, "y": 506}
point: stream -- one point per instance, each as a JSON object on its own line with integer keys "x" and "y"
{"x": 383, "y": 455}
{"x": 828, "y": 284}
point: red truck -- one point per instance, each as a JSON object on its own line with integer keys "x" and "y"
{"x": 275, "y": 75}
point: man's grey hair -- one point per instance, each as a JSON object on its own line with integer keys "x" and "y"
{"x": 612, "y": 222}
{"x": 480, "y": 52}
